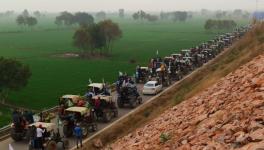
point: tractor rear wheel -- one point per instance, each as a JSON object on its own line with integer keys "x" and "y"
{"x": 51, "y": 145}
{"x": 120, "y": 103}
{"x": 107, "y": 116}
{"x": 115, "y": 111}
{"x": 16, "y": 136}
{"x": 84, "y": 130}
{"x": 133, "y": 102}
{"x": 139, "y": 100}
{"x": 67, "y": 131}
{"x": 94, "y": 127}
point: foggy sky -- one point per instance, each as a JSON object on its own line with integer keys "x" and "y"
{"x": 113, "y": 5}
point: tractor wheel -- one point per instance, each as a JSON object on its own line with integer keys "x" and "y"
{"x": 115, "y": 111}
{"x": 94, "y": 127}
{"x": 30, "y": 146}
{"x": 51, "y": 145}
{"x": 85, "y": 131}
{"x": 66, "y": 131}
{"x": 120, "y": 103}
{"x": 133, "y": 102}
{"x": 139, "y": 100}
{"x": 107, "y": 116}
{"x": 66, "y": 143}
{"x": 16, "y": 136}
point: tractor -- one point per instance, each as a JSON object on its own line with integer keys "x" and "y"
{"x": 128, "y": 95}
{"x": 82, "y": 115}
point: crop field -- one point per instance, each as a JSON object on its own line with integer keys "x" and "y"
{"x": 5, "y": 115}
{"x": 54, "y": 76}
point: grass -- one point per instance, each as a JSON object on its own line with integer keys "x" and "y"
{"x": 239, "y": 54}
{"x": 5, "y": 115}
{"x": 53, "y": 77}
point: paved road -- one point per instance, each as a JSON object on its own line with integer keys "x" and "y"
{"x": 23, "y": 145}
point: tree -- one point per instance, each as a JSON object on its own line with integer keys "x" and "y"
{"x": 135, "y": 16}
{"x": 142, "y": 14}
{"x": 26, "y": 19}
{"x": 220, "y": 24}
{"x": 83, "y": 18}
{"x": 121, "y": 13}
{"x": 164, "y": 15}
{"x": 25, "y": 13}
{"x": 82, "y": 39}
{"x": 179, "y": 16}
{"x": 100, "y": 15}
{"x": 20, "y": 20}
{"x": 110, "y": 32}
{"x": 31, "y": 21}
{"x": 209, "y": 24}
{"x": 13, "y": 76}
{"x": 96, "y": 37}
{"x": 58, "y": 21}
{"x": 139, "y": 15}
{"x": 152, "y": 18}
{"x": 65, "y": 18}
{"x": 37, "y": 13}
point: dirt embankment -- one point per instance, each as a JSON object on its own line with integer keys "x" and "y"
{"x": 230, "y": 114}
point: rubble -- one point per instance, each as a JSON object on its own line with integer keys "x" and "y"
{"x": 228, "y": 115}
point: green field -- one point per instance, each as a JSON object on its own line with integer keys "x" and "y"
{"x": 5, "y": 115}
{"x": 53, "y": 76}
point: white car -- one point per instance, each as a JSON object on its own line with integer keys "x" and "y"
{"x": 152, "y": 87}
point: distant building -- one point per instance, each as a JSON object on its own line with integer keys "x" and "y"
{"x": 259, "y": 15}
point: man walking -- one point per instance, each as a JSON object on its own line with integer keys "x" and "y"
{"x": 78, "y": 135}
{"x": 40, "y": 133}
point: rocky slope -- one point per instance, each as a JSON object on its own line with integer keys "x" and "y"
{"x": 228, "y": 115}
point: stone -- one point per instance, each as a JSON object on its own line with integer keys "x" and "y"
{"x": 257, "y": 135}
{"x": 97, "y": 143}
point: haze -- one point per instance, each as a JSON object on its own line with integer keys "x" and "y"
{"x": 113, "y": 5}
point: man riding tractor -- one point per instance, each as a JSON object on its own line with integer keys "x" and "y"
{"x": 142, "y": 74}
{"x": 70, "y": 100}
{"x": 98, "y": 89}
{"x": 104, "y": 107}
{"x": 163, "y": 77}
{"x": 50, "y": 138}
{"x": 82, "y": 115}
{"x": 128, "y": 94}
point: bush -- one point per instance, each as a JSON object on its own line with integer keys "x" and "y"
{"x": 164, "y": 137}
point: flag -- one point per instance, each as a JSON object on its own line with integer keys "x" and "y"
{"x": 10, "y": 147}
{"x": 90, "y": 81}
{"x": 157, "y": 53}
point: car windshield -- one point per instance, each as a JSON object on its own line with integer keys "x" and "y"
{"x": 149, "y": 85}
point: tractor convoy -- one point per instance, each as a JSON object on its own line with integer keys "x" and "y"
{"x": 98, "y": 105}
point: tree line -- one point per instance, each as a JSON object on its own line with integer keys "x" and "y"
{"x": 175, "y": 16}
{"x": 219, "y": 24}
{"x": 68, "y": 19}
{"x": 25, "y": 19}
{"x": 142, "y": 15}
